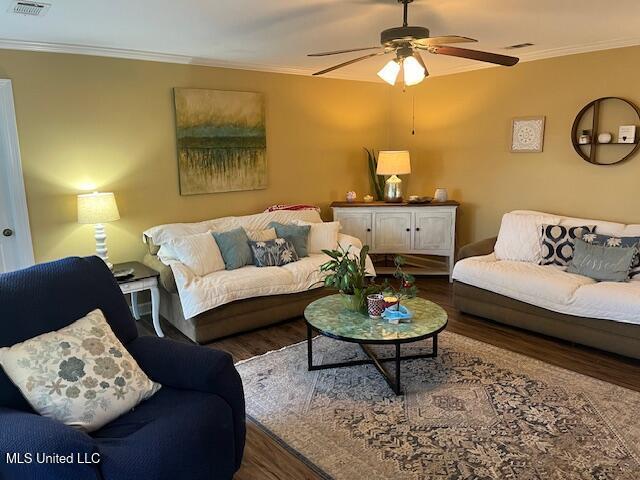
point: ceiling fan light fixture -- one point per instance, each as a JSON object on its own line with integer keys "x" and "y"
{"x": 406, "y": 42}
{"x": 414, "y": 73}
{"x": 389, "y": 73}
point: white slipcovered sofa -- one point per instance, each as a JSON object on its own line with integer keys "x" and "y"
{"x": 547, "y": 299}
{"x": 223, "y": 302}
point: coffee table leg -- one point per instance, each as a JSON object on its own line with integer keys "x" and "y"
{"x": 309, "y": 348}
{"x": 435, "y": 345}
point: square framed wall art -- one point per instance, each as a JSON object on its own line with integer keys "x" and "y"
{"x": 221, "y": 140}
{"x": 527, "y": 134}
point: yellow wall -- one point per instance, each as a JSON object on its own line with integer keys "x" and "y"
{"x": 110, "y": 122}
{"x": 463, "y": 128}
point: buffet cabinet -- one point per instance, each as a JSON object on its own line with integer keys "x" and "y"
{"x": 423, "y": 233}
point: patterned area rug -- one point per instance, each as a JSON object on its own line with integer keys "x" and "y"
{"x": 475, "y": 412}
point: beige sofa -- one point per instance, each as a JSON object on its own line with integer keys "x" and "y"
{"x": 547, "y": 300}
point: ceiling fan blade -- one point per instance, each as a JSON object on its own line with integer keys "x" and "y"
{"x": 498, "y": 59}
{"x": 443, "y": 40}
{"x": 349, "y": 62}
{"x": 322, "y": 54}
{"x": 418, "y": 57}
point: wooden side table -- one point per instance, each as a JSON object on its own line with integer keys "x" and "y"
{"x": 143, "y": 278}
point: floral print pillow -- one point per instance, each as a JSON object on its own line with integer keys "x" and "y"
{"x": 80, "y": 375}
{"x": 273, "y": 253}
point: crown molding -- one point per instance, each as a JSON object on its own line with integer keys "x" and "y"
{"x": 547, "y": 53}
{"x": 52, "y": 47}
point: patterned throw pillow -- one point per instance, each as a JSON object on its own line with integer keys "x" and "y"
{"x": 558, "y": 241}
{"x": 273, "y": 253}
{"x": 613, "y": 241}
{"x": 80, "y": 375}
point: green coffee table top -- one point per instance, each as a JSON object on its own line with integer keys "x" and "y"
{"x": 330, "y": 317}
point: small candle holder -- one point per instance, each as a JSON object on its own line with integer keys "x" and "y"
{"x": 375, "y": 305}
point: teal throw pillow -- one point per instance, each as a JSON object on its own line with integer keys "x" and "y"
{"x": 602, "y": 263}
{"x": 298, "y": 235}
{"x": 234, "y": 247}
{"x": 273, "y": 253}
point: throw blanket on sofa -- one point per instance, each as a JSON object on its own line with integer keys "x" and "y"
{"x": 199, "y": 294}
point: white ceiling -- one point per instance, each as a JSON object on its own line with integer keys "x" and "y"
{"x": 276, "y": 35}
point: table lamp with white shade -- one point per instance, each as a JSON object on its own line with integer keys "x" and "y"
{"x": 98, "y": 208}
{"x": 394, "y": 163}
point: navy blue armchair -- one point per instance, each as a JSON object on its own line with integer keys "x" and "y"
{"x": 193, "y": 427}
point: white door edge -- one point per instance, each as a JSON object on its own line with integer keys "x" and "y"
{"x": 12, "y": 168}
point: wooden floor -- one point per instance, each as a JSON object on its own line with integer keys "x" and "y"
{"x": 265, "y": 459}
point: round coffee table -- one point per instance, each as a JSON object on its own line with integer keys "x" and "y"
{"x": 329, "y": 317}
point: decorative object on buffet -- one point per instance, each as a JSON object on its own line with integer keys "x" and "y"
{"x": 419, "y": 199}
{"x": 604, "y": 137}
{"x": 590, "y": 120}
{"x": 627, "y": 134}
{"x": 352, "y": 196}
{"x": 377, "y": 182}
{"x": 441, "y": 195}
{"x": 584, "y": 138}
{"x": 98, "y": 208}
{"x": 393, "y": 163}
{"x": 368, "y": 198}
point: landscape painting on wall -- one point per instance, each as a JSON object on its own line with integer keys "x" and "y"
{"x": 221, "y": 140}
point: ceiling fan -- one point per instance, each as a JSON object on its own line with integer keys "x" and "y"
{"x": 406, "y": 42}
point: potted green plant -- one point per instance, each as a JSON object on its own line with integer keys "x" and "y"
{"x": 346, "y": 272}
{"x": 376, "y": 181}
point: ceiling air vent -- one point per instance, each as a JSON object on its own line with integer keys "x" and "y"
{"x": 35, "y": 9}
{"x": 518, "y": 45}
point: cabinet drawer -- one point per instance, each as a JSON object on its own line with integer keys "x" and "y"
{"x": 433, "y": 231}
{"x": 392, "y": 232}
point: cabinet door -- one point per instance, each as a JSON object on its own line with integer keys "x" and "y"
{"x": 433, "y": 231}
{"x": 392, "y": 232}
{"x": 356, "y": 224}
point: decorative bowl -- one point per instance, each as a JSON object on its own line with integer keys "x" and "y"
{"x": 419, "y": 199}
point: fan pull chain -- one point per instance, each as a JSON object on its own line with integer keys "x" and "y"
{"x": 413, "y": 114}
